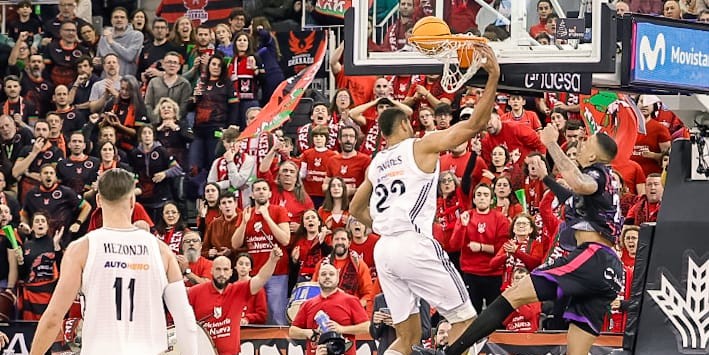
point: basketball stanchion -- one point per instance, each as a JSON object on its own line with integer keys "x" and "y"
{"x": 432, "y": 37}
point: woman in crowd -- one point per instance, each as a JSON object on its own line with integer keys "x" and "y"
{"x": 267, "y": 49}
{"x": 89, "y": 38}
{"x": 246, "y": 74}
{"x": 558, "y": 119}
{"x": 340, "y": 106}
{"x": 287, "y": 187}
{"x": 615, "y": 320}
{"x": 335, "y": 208}
{"x": 173, "y": 133}
{"x": 501, "y": 163}
{"x": 170, "y": 227}
{"x": 533, "y": 185}
{"x": 479, "y": 233}
{"x": 182, "y": 35}
{"x": 216, "y": 107}
{"x": 155, "y": 168}
{"x": 522, "y": 250}
{"x": 451, "y": 202}
{"x": 127, "y": 112}
{"x": 39, "y": 272}
{"x": 309, "y": 245}
{"x": 256, "y": 309}
{"x": 505, "y": 201}
{"x": 139, "y": 21}
{"x": 208, "y": 208}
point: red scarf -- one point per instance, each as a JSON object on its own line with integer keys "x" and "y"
{"x": 6, "y": 107}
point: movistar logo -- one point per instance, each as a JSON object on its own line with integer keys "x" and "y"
{"x": 650, "y": 55}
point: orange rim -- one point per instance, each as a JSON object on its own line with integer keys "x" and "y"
{"x": 452, "y": 38}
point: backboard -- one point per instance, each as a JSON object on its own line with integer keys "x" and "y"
{"x": 375, "y": 36}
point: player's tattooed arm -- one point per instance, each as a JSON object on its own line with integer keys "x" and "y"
{"x": 579, "y": 182}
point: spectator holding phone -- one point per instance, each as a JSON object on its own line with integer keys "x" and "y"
{"x": 382, "y": 327}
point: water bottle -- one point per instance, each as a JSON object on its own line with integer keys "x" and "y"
{"x": 321, "y": 318}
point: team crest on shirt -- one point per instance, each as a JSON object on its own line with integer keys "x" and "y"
{"x": 57, "y": 194}
{"x": 48, "y": 155}
{"x": 46, "y": 201}
{"x": 70, "y": 116}
{"x": 244, "y": 86}
{"x": 258, "y": 226}
{"x": 79, "y": 170}
{"x": 88, "y": 164}
{"x": 154, "y": 155}
{"x": 318, "y": 162}
{"x": 481, "y": 227}
{"x": 343, "y": 169}
{"x": 76, "y": 53}
{"x": 44, "y": 86}
{"x": 217, "y": 312}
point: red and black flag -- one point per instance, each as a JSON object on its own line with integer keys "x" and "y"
{"x": 208, "y": 12}
{"x": 298, "y": 50}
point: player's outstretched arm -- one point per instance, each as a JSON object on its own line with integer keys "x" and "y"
{"x": 62, "y": 298}
{"x": 175, "y": 296}
{"x": 359, "y": 207}
{"x": 579, "y": 182}
{"x": 463, "y": 131}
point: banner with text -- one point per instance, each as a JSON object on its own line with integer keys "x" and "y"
{"x": 298, "y": 49}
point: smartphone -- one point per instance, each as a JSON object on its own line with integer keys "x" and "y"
{"x": 385, "y": 310}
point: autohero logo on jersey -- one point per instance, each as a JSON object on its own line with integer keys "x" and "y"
{"x": 671, "y": 55}
{"x": 125, "y": 249}
{"x": 688, "y": 313}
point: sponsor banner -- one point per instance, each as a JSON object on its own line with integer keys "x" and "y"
{"x": 577, "y": 83}
{"x": 298, "y": 49}
{"x": 671, "y": 56}
{"x": 570, "y": 28}
{"x": 275, "y": 341}
{"x": 208, "y": 12}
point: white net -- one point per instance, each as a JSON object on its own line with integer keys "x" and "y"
{"x": 457, "y": 53}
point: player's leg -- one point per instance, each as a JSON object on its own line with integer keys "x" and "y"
{"x": 492, "y": 317}
{"x": 408, "y": 333}
{"x": 579, "y": 341}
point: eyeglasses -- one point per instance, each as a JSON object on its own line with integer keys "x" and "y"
{"x": 446, "y": 181}
{"x": 191, "y": 241}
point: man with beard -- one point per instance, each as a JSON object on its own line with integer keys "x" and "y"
{"x": 32, "y": 157}
{"x": 519, "y": 139}
{"x": 349, "y": 164}
{"x": 62, "y": 205}
{"x": 347, "y": 317}
{"x": 217, "y": 238}
{"x": 355, "y": 278}
{"x": 35, "y": 88}
{"x": 219, "y": 304}
{"x": 66, "y": 13}
{"x": 647, "y": 206}
{"x": 85, "y": 80}
{"x": 122, "y": 40}
{"x": 320, "y": 116}
{"x": 62, "y": 55}
{"x": 73, "y": 119}
{"x": 24, "y": 112}
{"x": 262, "y": 227}
{"x": 78, "y": 171}
{"x": 395, "y": 37}
{"x": 195, "y": 268}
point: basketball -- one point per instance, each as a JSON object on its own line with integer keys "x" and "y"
{"x": 430, "y": 26}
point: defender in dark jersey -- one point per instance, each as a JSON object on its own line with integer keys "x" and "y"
{"x": 592, "y": 274}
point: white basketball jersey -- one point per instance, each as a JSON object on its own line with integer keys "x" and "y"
{"x": 123, "y": 284}
{"x": 404, "y": 197}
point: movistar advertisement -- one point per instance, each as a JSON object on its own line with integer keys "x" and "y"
{"x": 671, "y": 56}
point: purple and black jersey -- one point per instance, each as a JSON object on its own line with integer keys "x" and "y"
{"x": 600, "y": 211}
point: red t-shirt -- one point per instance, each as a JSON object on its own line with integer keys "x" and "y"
{"x": 351, "y": 170}
{"x": 528, "y": 118}
{"x": 449, "y": 162}
{"x": 524, "y": 319}
{"x": 342, "y": 308}
{"x": 258, "y": 238}
{"x": 339, "y": 221}
{"x": 366, "y": 251}
{"x": 256, "y": 308}
{"x": 202, "y": 268}
{"x": 632, "y": 174}
{"x": 514, "y": 136}
{"x": 288, "y": 200}
{"x": 316, "y": 165}
{"x": 656, "y": 134}
{"x": 490, "y": 228}
{"x": 221, "y": 313}
{"x": 139, "y": 214}
{"x": 361, "y": 87}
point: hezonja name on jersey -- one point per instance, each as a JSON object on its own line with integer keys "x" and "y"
{"x": 387, "y": 164}
{"x": 125, "y": 249}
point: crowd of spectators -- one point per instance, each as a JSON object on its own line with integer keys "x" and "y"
{"x": 169, "y": 103}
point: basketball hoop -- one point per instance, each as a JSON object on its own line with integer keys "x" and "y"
{"x": 457, "y": 52}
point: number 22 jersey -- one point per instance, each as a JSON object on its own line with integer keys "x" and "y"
{"x": 403, "y": 197}
{"x": 123, "y": 284}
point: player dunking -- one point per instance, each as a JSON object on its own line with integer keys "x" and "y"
{"x": 411, "y": 265}
{"x": 592, "y": 274}
{"x": 124, "y": 274}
